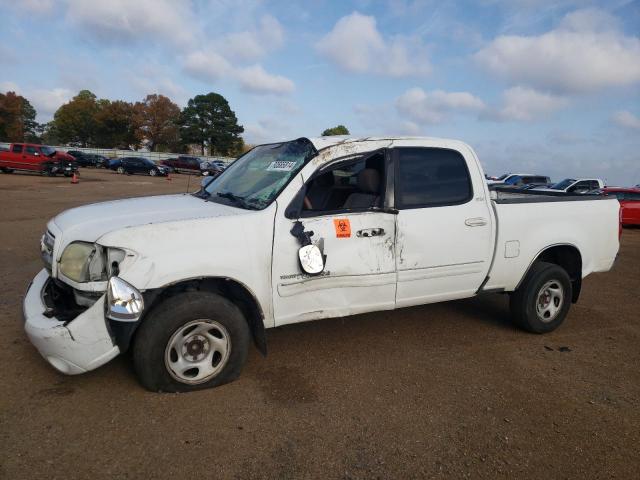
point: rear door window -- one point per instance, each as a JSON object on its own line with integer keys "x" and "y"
{"x": 31, "y": 150}
{"x": 431, "y": 177}
{"x": 16, "y": 149}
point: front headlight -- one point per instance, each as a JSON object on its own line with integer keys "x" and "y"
{"x": 82, "y": 262}
{"x": 124, "y": 302}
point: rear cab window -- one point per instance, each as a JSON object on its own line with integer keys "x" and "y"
{"x": 16, "y": 149}
{"x": 430, "y": 177}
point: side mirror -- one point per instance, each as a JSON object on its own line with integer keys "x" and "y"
{"x": 311, "y": 259}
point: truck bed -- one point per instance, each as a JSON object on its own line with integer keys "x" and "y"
{"x": 528, "y": 222}
{"x": 506, "y": 195}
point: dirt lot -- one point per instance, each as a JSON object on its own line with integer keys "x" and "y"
{"x": 449, "y": 390}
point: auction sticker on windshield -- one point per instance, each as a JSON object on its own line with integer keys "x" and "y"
{"x": 281, "y": 166}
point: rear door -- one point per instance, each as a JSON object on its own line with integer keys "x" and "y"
{"x": 14, "y": 156}
{"x": 444, "y": 227}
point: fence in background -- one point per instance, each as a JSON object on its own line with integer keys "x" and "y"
{"x": 113, "y": 153}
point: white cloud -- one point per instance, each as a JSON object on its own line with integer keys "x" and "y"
{"x": 524, "y": 104}
{"x": 251, "y": 45}
{"x": 356, "y": 45}
{"x": 256, "y": 80}
{"x": 433, "y": 107}
{"x": 46, "y": 102}
{"x": 267, "y": 130}
{"x": 8, "y": 86}
{"x": 117, "y": 21}
{"x": 30, "y": 6}
{"x": 626, "y": 119}
{"x": 586, "y": 52}
{"x": 207, "y": 66}
{"x": 224, "y": 58}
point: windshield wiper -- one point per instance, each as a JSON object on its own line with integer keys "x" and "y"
{"x": 238, "y": 200}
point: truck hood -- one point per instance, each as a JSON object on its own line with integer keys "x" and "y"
{"x": 88, "y": 223}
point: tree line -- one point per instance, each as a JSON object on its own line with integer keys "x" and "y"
{"x": 156, "y": 122}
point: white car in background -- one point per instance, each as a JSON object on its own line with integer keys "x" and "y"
{"x": 572, "y": 185}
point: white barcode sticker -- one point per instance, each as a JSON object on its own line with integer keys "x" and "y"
{"x": 281, "y": 166}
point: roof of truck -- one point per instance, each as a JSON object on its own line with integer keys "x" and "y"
{"x": 324, "y": 142}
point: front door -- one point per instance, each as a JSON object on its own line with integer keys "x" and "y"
{"x": 444, "y": 241}
{"x": 342, "y": 209}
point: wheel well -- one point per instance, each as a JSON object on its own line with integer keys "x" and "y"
{"x": 568, "y": 257}
{"x": 234, "y": 291}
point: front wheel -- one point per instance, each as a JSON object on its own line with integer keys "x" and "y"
{"x": 542, "y": 301}
{"x": 191, "y": 341}
{"x": 153, "y": 172}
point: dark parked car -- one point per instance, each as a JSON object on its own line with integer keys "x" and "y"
{"x": 184, "y": 164}
{"x": 212, "y": 167}
{"x": 82, "y": 158}
{"x": 132, "y": 165}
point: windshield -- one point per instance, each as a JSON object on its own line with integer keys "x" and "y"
{"x": 563, "y": 184}
{"x": 48, "y": 151}
{"x": 254, "y": 180}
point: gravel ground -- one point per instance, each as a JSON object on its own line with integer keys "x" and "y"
{"x": 450, "y": 390}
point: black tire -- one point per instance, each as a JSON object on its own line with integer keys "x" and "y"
{"x": 524, "y": 301}
{"x": 168, "y": 318}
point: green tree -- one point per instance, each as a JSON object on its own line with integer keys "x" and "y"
{"x": 74, "y": 122}
{"x": 115, "y": 124}
{"x": 157, "y": 119}
{"x": 17, "y": 119}
{"x": 339, "y": 130}
{"x": 208, "y": 121}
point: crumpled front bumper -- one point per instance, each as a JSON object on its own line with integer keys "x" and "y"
{"x": 77, "y": 347}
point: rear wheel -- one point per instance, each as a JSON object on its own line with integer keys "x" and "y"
{"x": 542, "y": 301}
{"x": 191, "y": 341}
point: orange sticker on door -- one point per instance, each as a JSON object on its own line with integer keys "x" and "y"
{"x": 343, "y": 227}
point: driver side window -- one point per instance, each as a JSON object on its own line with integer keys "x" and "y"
{"x": 350, "y": 185}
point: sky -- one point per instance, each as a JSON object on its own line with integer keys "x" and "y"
{"x": 539, "y": 86}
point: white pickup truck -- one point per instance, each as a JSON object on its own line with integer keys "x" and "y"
{"x": 298, "y": 231}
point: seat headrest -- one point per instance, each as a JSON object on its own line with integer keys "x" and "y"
{"x": 369, "y": 180}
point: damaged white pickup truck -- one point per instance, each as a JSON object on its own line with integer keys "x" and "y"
{"x": 298, "y": 231}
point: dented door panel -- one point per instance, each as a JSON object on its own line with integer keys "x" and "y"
{"x": 359, "y": 273}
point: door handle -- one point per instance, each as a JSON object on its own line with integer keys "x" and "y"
{"x": 475, "y": 222}
{"x": 370, "y": 232}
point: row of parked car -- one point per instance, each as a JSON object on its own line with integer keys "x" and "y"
{"x": 629, "y": 197}
{"x": 132, "y": 165}
{"x": 49, "y": 161}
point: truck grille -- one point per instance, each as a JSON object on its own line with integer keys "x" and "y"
{"x": 46, "y": 249}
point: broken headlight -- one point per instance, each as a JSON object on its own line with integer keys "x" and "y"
{"x": 84, "y": 262}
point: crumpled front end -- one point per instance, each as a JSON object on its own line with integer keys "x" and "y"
{"x": 74, "y": 339}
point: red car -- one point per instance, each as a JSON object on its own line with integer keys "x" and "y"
{"x": 184, "y": 164}
{"x": 37, "y": 158}
{"x": 629, "y": 199}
